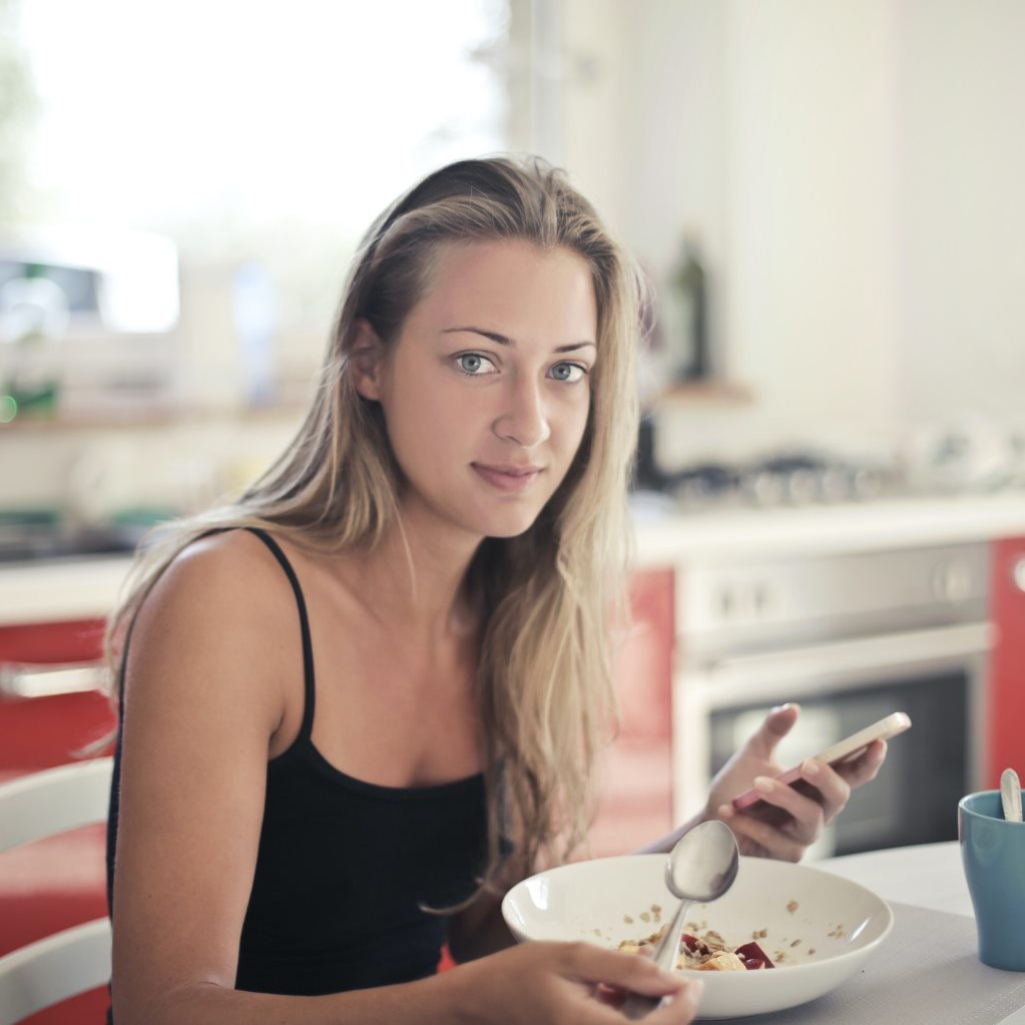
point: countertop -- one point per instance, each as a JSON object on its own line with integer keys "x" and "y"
{"x": 65, "y": 589}
{"x": 60, "y": 590}
{"x": 664, "y": 537}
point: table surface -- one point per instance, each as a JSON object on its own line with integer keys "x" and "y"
{"x": 927, "y": 875}
{"x": 932, "y": 947}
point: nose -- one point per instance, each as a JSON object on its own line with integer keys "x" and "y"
{"x": 524, "y": 419}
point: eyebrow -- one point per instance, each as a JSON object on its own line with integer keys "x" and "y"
{"x": 494, "y": 336}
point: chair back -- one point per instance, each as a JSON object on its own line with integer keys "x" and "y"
{"x": 75, "y": 960}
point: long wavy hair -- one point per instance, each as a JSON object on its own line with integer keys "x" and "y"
{"x": 550, "y": 597}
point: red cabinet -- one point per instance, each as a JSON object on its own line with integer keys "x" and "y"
{"x": 38, "y": 731}
{"x": 1006, "y": 733}
{"x": 59, "y": 882}
{"x": 635, "y": 789}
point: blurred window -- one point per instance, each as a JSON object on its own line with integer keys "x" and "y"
{"x": 255, "y": 130}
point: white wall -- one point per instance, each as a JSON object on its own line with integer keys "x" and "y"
{"x": 810, "y": 306}
{"x": 962, "y": 158}
{"x": 854, "y": 167}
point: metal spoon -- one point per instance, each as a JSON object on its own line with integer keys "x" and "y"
{"x": 700, "y": 868}
{"x": 1010, "y": 795}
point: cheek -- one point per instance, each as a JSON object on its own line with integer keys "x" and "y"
{"x": 425, "y": 422}
{"x": 576, "y": 423}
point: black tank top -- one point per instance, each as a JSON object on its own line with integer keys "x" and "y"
{"x": 346, "y": 868}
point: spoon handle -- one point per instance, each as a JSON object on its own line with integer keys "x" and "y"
{"x": 637, "y": 1005}
{"x": 667, "y": 952}
{"x": 1010, "y": 795}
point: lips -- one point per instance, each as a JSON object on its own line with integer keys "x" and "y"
{"x": 508, "y": 478}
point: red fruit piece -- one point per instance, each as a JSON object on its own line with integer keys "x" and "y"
{"x": 753, "y": 956}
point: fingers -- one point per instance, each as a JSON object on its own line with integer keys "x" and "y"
{"x": 681, "y": 1007}
{"x": 802, "y": 809}
{"x": 628, "y": 972}
{"x": 776, "y": 725}
{"x": 835, "y": 783}
{"x": 789, "y": 818}
{"x": 830, "y": 792}
{"x": 792, "y": 817}
{"x": 677, "y": 1008}
{"x": 865, "y": 768}
{"x": 761, "y": 838}
{"x": 590, "y": 964}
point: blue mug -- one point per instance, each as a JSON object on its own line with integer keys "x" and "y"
{"x": 993, "y": 853}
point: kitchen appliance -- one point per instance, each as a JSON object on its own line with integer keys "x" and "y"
{"x": 850, "y": 637}
{"x": 970, "y": 455}
{"x": 30, "y": 534}
{"x": 786, "y": 478}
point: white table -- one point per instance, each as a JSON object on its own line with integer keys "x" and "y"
{"x": 927, "y": 972}
{"x": 928, "y": 876}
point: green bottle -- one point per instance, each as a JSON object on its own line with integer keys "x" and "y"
{"x": 691, "y": 295}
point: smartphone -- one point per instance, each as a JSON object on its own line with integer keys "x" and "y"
{"x": 843, "y": 751}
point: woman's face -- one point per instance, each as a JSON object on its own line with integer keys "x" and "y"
{"x": 486, "y": 392}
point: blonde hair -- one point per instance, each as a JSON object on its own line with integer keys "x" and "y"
{"x": 544, "y": 675}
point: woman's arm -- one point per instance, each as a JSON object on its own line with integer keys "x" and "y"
{"x": 214, "y": 647}
{"x": 202, "y": 701}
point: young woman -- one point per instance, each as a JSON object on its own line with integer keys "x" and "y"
{"x": 363, "y": 699}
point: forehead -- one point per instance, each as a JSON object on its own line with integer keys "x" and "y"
{"x": 511, "y": 286}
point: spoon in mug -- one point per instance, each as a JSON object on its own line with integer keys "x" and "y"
{"x": 700, "y": 868}
{"x": 1010, "y": 795}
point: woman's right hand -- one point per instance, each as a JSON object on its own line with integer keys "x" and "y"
{"x": 538, "y": 983}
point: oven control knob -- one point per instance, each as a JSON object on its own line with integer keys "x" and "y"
{"x": 952, "y": 582}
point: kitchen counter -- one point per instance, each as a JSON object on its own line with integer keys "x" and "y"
{"x": 64, "y": 589}
{"x": 665, "y": 537}
{"x": 61, "y": 590}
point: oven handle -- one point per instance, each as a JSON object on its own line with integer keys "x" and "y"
{"x": 848, "y": 658}
{"x": 43, "y": 681}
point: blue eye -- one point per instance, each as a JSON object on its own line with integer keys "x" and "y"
{"x": 569, "y": 373}
{"x": 474, "y": 364}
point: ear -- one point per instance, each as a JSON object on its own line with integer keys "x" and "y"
{"x": 367, "y": 360}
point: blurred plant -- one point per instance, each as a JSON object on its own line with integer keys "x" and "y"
{"x": 19, "y": 108}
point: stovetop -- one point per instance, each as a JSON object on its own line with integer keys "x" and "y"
{"x": 29, "y": 538}
{"x": 945, "y": 464}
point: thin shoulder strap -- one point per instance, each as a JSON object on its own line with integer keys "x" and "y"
{"x": 306, "y": 729}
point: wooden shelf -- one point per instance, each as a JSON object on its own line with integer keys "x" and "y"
{"x": 159, "y": 416}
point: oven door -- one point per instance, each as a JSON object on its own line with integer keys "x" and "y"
{"x": 937, "y": 676}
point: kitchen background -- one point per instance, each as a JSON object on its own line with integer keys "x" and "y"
{"x": 848, "y": 172}
{"x": 825, "y": 195}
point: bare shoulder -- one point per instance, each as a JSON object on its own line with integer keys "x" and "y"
{"x": 218, "y": 619}
{"x": 218, "y": 580}
{"x": 225, "y": 561}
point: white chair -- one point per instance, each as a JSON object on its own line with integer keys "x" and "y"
{"x": 78, "y": 959}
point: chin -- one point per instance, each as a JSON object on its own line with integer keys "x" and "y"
{"x": 510, "y": 533}
{"x": 512, "y": 523}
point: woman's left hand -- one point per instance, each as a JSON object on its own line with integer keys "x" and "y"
{"x": 788, "y": 818}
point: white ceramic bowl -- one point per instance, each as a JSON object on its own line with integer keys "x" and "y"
{"x": 833, "y": 929}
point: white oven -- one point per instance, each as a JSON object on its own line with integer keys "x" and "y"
{"x": 851, "y": 638}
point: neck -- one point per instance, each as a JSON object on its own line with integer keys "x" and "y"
{"x": 413, "y": 581}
